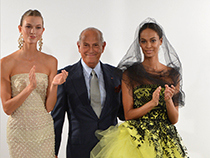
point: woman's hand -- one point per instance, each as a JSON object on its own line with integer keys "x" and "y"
{"x": 172, "y": 111}
{"x": 60, "y": 78}
{"x": 156, "y": 96}
{"x": 32, "y": 78}
{"x": 169, "y": 92}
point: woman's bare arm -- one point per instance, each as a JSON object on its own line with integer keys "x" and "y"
{"x": 11, "y": 104}
{"x": 129, "y": 111}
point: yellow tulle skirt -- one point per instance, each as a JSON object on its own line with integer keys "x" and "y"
{"x": 118, "y": 142}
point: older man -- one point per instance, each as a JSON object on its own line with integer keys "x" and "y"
{"x": 90, "y": 96}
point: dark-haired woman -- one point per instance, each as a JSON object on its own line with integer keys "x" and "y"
{"x": 152, "y": 93}
{"x": 28, "y": 92}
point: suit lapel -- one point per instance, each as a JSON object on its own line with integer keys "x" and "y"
{"x": 79, "y": 84}
{"x": 108, "y": 81}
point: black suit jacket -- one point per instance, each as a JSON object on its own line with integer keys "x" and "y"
{"x": 72, "y": 98}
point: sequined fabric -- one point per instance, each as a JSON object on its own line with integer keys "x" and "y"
{"x": 30, "y": 131}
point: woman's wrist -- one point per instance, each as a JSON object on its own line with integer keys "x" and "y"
{"x": 168, "y": 100}
{"x": 30, "y": 88}
{"x": 153, "y": 103}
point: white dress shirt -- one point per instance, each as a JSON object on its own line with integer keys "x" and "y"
{"x": 87, "y": 75}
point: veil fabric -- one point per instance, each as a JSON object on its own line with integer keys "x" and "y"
{"x": 135, "y": 74}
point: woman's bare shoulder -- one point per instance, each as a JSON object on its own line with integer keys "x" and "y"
{"x": 48, "y": 57}
{"x": 49, "y": 61}
{"x": 9, "y": 59}
{"x": 8, "y": 62}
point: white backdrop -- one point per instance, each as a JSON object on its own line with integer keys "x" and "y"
{"x": 187, "y": 26}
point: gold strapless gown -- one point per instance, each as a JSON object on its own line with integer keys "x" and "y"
{"x": 30, "y": 131}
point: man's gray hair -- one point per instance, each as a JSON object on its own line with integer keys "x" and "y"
{"x": 95, "y": 29}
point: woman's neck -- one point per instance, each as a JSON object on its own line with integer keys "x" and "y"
{"x": 29, "y": 48}
{"x": 28, "y": 52}
{"x": 152, "y": 63}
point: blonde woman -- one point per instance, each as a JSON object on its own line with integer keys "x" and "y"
{"x": 28, "y": 92}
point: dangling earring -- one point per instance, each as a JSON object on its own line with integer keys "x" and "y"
{"x": 40, "y": 43}
{"x": 20, "y": 41}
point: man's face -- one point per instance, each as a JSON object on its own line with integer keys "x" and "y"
{"x": 91, "y": 47}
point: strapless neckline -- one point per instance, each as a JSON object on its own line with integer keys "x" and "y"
{"x": 40, "y": 73}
